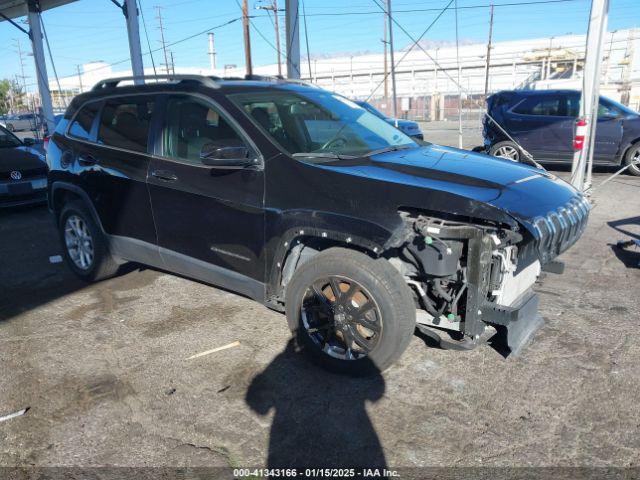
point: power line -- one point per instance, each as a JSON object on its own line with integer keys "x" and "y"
{"x": 171, "y": 44}
{"x": 463, "y": 7}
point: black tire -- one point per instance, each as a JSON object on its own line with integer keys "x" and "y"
{"x": 103, "y": 265}
{"x": 499, "y": 149}
{"x": 10, "y": 127}
{"x": 380, "y": 280}
{"x": 633, "y": 154}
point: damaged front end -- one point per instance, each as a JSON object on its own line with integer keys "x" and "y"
{"x": 471, "y": 281}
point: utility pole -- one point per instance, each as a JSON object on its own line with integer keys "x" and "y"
{"x": 393, "y": 66}
{"x": 274, "y": 8}
{"x": 386, "y": 80}
{"x": 583, "y": 157}
{"x": 212, "y": 53}
{"x": 292, "y": 27}
{"x": 130, "y": 11}
{"x": 79, "y": 78}
{"x": 23, "y": 77}
{"x": 164, "y": 45}
{"x": 459, "y": 84}
{"x": 486, "y": 74}
{"x": 549, "y": 59}
{"x": 173, "y": 65}
{"x": 247, "y": 37}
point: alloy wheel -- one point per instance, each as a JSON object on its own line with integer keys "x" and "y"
{"x": 79, "y": 242}
{"x": 341, "y": 317}
{"x": 508, "y": 152}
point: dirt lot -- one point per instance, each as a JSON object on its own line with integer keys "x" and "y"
{"x": 106, "y": 373}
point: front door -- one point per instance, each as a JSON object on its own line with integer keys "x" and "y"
{"x": 210, "y": 220}
{"x": 608, "y": 132}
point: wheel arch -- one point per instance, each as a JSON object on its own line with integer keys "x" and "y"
{"x": 625, "y": 150}
{"x": 299, "y": 244}
{"x": 64, "y": 192}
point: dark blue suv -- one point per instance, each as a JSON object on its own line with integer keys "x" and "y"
{"x": 543, "y": 122}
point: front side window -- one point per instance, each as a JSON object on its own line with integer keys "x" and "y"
{"x": 193, "y": 125}
{"x": 82, "y": 122}
{"x": 607, "y": 110}
{"x": 125, "y": 123}
{"x": 320, "y": 122}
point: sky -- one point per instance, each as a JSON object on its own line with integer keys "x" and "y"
{"x": 95, "y": 30}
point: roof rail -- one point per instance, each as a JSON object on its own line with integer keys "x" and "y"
{"x": 204, "y": 80}
{"x": 278, "y": 78}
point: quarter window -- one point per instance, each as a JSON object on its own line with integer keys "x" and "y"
{"x": 192, "y": 124}
{"x": 125, "y": 123}
{"x": 81, "y": 126}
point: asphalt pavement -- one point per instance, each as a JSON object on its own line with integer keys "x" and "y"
{"x": 107, "y": 374}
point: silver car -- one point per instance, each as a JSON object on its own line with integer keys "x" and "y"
{"x": 23, "y": 121}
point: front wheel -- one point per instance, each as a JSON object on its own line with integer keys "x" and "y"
{"x": 84, "y": 244}
{"x": 633, "y": 156}
{"x": 354, "y": 314}
{"x": 10, "y": 127}
{"x": 507, "y": 150}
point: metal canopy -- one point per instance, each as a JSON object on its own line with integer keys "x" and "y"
{"x": 18, "y": 8}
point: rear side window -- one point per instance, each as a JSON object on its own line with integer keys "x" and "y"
{"x": 550, "y": 106}
{"x": 82, "y": 122}
{"x": 125, "y": 123}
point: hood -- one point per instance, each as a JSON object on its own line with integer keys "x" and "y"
{"x": 20, "y": 158}
{"x": 467, "y": 178}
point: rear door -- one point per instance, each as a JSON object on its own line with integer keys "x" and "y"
{"x": 544, "y": 126}
{"x": 210, "y": 220}
{"x": 112, "y": 166}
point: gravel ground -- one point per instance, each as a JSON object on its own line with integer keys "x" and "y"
{"x": 105, "y": 370}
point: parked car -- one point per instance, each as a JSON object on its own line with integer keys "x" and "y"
{"x": 23, "y": 121}
{"x": 306, "y": 202}
{"x": 23, "y": 171}
{"x": 542, "y": 122}
{"x": 407, "y": 126}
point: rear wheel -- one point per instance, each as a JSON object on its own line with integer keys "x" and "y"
{"x": 10, "y": 127}
{"x": 84, "y": 245}
{"x": 508, "y": 150}
{"x": 353, "y": 314}
{"x": 632, "y": 156}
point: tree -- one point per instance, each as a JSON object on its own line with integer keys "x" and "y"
{"x": 11, "y": 96}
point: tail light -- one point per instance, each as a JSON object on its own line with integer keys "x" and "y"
{"x": 581, "y": 132}
{"x": 45, "y": 142}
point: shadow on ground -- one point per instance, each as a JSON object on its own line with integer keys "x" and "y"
{"x": 28, "y": 277}
{"x": 629, "y": 256}
{"x": 320, "y": 418}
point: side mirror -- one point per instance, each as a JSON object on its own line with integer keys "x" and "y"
{"x": 225, "y": 157}
{"x": 29, "y": 141}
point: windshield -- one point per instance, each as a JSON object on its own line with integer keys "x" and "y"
{"x": 8, "y": 139}
{"x": 320, "y": 123}
{"x": 607, "y": 102}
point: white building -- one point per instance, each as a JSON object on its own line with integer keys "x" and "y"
{"x": 427, "y": 82}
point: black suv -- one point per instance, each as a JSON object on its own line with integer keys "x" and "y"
{"x": 304, "y": 201}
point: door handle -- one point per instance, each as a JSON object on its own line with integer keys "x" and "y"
{"x": 165, "y": 175}
{"x": 87, "y": 160}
